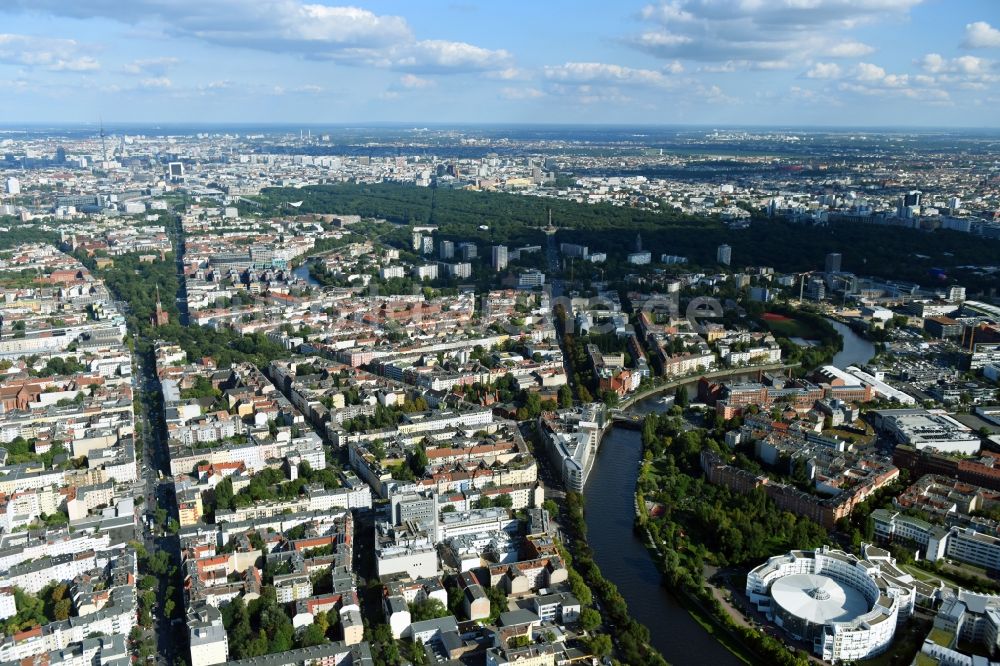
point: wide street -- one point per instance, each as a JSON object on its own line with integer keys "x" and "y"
{"x": 157, "y": 495}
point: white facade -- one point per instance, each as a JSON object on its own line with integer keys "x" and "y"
{"x": 967, "y": 545}
{"x": 499, "y": 257}
{"x": 425, "y": 272}
{"x": 530, "y": 279}
{"x": 389, "y": 272}
{"x": 208, "y": 639}
{"x": 7, "y": 606}
{"x": 639, "y": 258}
{"x": 33, "y": 576}
{"x": 888, "y": 592}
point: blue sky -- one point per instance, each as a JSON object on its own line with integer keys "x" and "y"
{"x": 725, "y": 62}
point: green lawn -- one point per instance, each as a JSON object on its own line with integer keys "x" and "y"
{"x": 971, "y": 570}
{"x": 975, "y": 573}
{"x": 847, "y": 435}
{"x": 941, "y": 637}
{"x": 727, "y": 640}
{"x": 792, "y": 328}
{"x": 927, "y": 576}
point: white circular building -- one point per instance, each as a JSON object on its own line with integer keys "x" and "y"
{"x": 847, "y": 607}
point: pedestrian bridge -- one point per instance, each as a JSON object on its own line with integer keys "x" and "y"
{"x": 628, "y": 421}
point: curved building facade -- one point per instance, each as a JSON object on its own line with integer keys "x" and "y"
{"x": 848, "y": 607}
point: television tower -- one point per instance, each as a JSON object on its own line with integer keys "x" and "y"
{"x": 104, "y": 148}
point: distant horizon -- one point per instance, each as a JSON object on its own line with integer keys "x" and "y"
{"x": 418, "y": 125}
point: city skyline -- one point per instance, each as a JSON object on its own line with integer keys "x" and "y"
{"x": 433, "y": 376}
{"x": 822, "y": 63}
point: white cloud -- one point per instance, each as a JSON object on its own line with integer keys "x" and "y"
{"x": 896, "y": 80}
{"x": 981, "y": 35}
{"x": 408, "y": 83}
{"x": 81, "y": 64}
{"x": 766, "y": 65}
{"x": 15, "y": 85}
{"x": 849, "y": 50}
{"x": 824, "y": 70}
{"x": 521, "y": 93}
{"x": 212, "y": 86}
{"x": 589, "y": 95}
{"x": 714, "y": 94}
{"x": 150, "y": 66}
{"x": 351, "y": 35}
{"x": 667, "y": 12}
{"x": 747, "y": 33}
{"x": 934, "y": 96}
{"x": 594, "y": 83}
{"x": 830, "y": 13}
{"x": 802, "y": 93}
{"x": 508, "y": 74}
{"x": 972, "y": 65}
{"x": 435, "y": 55}
{"x": 725, "y": 67}
{"x": 653, "y": 41}
{"x": 274, "y": 25}
{"x": 597, "y": 72}
{"x": 738, "y": 65}
{"x": 935, "y": 63}
{"x": 413, "y": 82}
{"x": 865, "y": 71}
{"x": 872, "y": 80}
{"x": 308, "y": 89}
{"x": 57, "y": 55}
{"x": 156, "y": 82}
{"x": 336, "y": 25}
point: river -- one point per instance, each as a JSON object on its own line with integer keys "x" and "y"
{"x": 610, "y": 509}
{"x": 621, "y": 555}
{"x": 856, "y": 350}
{"x": 302, "y": 272}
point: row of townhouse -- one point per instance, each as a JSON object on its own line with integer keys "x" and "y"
{"x": 107, "y": 609}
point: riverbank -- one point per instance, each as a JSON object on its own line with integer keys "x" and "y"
{"x": 706, "y": 620}
{"x": 631, "y": 638}
{"x": 727, "y": 626}
{"x": 855, "y": 350}
{"x": 303, "y": 272}
{"x": 684, "y": 630}
{"x": 701, "y": 527}
{"x": 742, "y": 643}
{"x": 654, "y": 391}
{"x": 623, "y": 560}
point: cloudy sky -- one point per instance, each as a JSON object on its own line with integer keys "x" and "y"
{"x": 735, "y": 62}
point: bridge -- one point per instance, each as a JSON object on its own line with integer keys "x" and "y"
{"x": 628, "y": 402}
{"x": 628, "y": 421}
